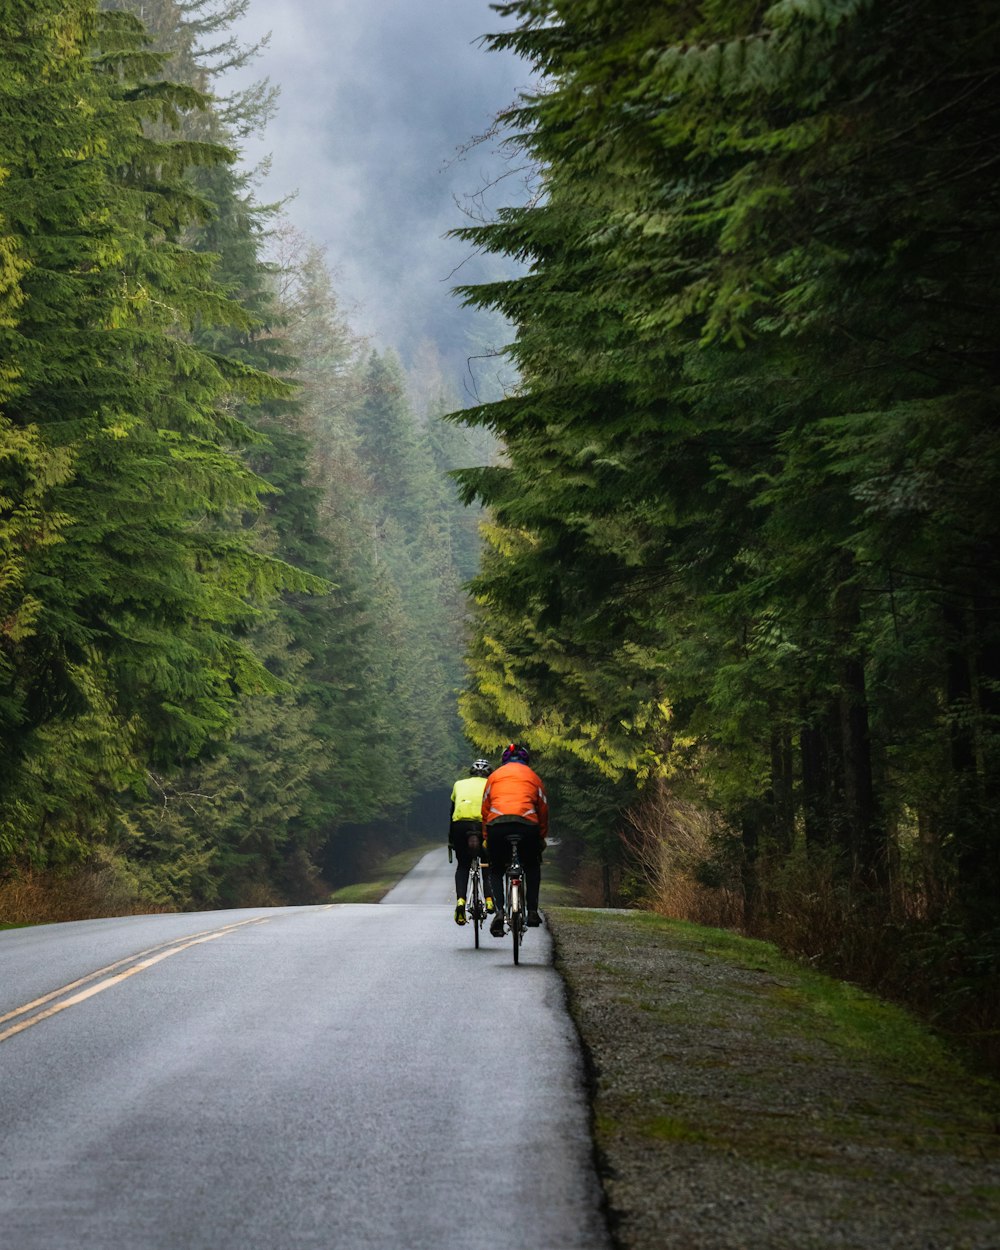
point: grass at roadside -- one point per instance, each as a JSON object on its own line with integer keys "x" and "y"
{"x": 389, "y": 873}
{"x": 821, "y": 1006}
{"x": 555, "y": 891}
{"x": 814, "y": 1114}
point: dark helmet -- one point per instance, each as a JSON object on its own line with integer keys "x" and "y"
{"x": 516, "y": 753}
{"x": 480, "y": 768}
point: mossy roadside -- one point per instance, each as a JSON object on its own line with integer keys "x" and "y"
{"x": 393, "y": 870}
{"x": 742, "y": 1100}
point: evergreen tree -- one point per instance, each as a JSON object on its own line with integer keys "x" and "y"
{"x": 750, "y": 457}
{"x": 131, "y": 602}
{"x": 320, "y": 732}
{"x": 406, "y": 510}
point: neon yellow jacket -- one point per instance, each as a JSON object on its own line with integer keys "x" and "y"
{"x": 467, "y": 798}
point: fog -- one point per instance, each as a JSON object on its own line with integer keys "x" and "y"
{"x": 376, "y": 102}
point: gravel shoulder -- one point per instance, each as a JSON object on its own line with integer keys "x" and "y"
{"x": 741, "y": 1102}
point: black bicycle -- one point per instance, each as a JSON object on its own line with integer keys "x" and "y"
{"x": 517, "y": 916}
{"x": 476, "y": 908}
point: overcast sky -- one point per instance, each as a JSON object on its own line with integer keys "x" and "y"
{"x": 377, "y": 96}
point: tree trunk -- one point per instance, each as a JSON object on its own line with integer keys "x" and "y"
{"x": 867, "y": 832}
{"x": 750, "y": 834}
{"x": 782, "y": 790}
{"x": 968, "y": 842}
{"x": 818, "y": 808}
{"x": 863, "y": 832}
{"x": 973, "y": 697}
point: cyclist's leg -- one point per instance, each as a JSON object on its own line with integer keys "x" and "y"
{"x": 459, "y": 838}
{"x": 497, "y": 851}
{"x": 531, "y": 858}
{"x": 464, "y": 855}
{"x": 484, "y": 864}
{"x": 456, "y": 846}
{"x": 499, "y": 854}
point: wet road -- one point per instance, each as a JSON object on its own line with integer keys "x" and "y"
{"x": 347, "y": 1076}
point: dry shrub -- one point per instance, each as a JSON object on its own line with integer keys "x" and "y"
{"x": 594, "y": 884}
{"x": 83, "y": 893}
{"x": 897, "y": 939}
{"x": 671, "y": 842}
{"x": 810, "y": 908}
{"x": 256, "y": 894}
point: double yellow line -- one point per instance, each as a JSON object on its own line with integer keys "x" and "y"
{"x": 104, "y": 978}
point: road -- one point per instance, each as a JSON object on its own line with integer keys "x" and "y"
{"x": 356, "y": 1077}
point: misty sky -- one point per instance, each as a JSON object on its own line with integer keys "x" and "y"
{"x": 376, "y": 98}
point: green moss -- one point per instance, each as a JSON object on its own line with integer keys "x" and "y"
{"x": 817, "y": 1005}
{"x": 556, "y": 894}
{"x": 669, "y": 1128}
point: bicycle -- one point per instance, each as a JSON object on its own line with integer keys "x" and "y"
{"x": 517, "y": 916}
{"x": 475, "y": 909}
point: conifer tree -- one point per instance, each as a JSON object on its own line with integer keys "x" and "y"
{"x": 406, "y": 510}
{"x": 322, "y": 730}
{"x": 141, "y": 583}
{"x": 750, "y": 447}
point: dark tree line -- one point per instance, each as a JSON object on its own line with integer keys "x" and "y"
{"x": 746, "y": 538}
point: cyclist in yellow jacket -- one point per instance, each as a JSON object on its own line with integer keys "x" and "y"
{"x": 465, "y": 832}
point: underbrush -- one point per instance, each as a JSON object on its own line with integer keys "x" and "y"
{"x": 949, "y": 976}
{"x": 102, "y": 888}
{"x": 889, "y": 940}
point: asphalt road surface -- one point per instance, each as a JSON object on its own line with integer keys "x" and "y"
{"x": 357, "y": 1077}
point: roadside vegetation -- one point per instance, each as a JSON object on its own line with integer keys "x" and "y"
{"x": 741, "y": 589}
{"x": 389, "y": 873}
{"x": 740, "y": 1098}
{"x": 230, "y": 556}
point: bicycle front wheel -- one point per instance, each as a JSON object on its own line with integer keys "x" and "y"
{"x": 477, "y": 908}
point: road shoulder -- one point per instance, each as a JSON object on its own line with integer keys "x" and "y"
{"x": 740, "y": 1100}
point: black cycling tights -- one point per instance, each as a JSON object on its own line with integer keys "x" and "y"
{"x": 530, "y": 852}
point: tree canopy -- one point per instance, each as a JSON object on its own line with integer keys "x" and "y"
{"x": 208, "y": 650}
{"x": 743, "y": 538}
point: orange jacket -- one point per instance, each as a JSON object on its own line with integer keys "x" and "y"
{"x": 515, "y": 790}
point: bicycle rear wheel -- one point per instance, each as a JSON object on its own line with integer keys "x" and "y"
{"x": 516, "y": 916}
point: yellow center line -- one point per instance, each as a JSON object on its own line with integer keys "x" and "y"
{"x": 156, "y": 955}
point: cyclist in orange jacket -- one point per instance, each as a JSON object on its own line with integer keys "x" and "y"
{"x": 515, "y": 800}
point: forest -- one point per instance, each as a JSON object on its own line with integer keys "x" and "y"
{"x": 231, "y": 616}
{"x": 741, "y": 577}
{"x": 726, "y": 554}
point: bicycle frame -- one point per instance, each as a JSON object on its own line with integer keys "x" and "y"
{"x": 514, "y": 891}
{"x": 476, "y": 910}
